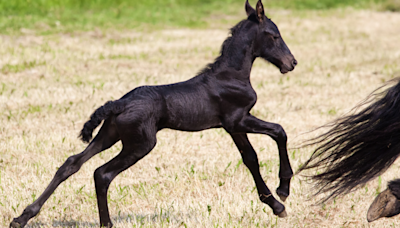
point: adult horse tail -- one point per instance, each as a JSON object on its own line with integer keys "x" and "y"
{"x": 358, "y": 147}
{"x": 108, "y": 109}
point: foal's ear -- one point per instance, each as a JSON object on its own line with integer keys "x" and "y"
{"x": 249, "y": 9}
{"x": 260, "y": 11}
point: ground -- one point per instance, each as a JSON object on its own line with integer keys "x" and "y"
{"x": 50, "y": 84}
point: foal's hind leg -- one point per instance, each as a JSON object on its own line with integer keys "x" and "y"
{"x": 251, "y": 161}
{"x": 251, "y": 124}
{"x": 106, "y": 137}
{"x": 130, "y": 154}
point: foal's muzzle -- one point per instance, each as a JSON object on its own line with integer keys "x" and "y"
{"x": 288, "y": 65}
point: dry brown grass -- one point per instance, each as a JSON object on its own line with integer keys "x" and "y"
{"x": 49, "y": 85}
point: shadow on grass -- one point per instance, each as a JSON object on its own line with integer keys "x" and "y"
{"x": 138, "y": 219}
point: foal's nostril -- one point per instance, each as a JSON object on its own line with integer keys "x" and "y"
{"x": 294, "y": 62}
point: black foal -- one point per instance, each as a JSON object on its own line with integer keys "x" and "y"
{"x": 219, "y": 96}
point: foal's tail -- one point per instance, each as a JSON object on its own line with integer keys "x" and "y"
{"x": 102, "y": 113}
{"x": 358, "y": 147}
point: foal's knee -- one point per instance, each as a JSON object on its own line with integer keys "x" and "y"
{"x": 70, "y": 166}
{"x": 280, "y": 134}
{"x": 98, "y": 175}
{"x": 250, "y": 159}
{"x": 101, "y": 178}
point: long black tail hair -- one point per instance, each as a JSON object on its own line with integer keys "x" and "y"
{"x": 358, "y": 147}
{"x": 102, "y": 113}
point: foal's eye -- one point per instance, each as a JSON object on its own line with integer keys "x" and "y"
{"x": 274, "y": 36}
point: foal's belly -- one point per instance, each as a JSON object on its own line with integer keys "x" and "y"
{"x": 190, "y": 115}
{"x": 191, "y": 121}
{"x": 193, "y": 126}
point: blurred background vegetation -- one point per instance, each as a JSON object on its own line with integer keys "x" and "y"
{"x": 75, "y": 15}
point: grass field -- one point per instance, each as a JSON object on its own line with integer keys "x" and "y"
{"x": 69, "y": 16}
{"x": 50, "y": 84}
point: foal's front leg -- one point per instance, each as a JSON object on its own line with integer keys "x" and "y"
{"x": 251, "y": 161}
{"x": 251, "y": 124}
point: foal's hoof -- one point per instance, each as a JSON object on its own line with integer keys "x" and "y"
{"x": 280, "y": 210}
{"x": 283, "y": 214}
{"x": 282, "y": 195}
{"x": 384, "y": 205}
{"x": 284, "y": 189}
{"x": 15, "y": 224}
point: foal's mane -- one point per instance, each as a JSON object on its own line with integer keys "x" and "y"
{"x": 234, "y": 32}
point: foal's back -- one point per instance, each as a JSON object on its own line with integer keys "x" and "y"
{"x": 192, "y": 105}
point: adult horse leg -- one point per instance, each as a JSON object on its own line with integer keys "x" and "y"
{"x": 251, "y": 124}
{"x": 387, "y": 203}
{"x": 106, "y": 137}
{"x": 132, "y": 152}
{"x": 251, "y": 161}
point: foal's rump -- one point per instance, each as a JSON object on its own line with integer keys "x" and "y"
{"x": 108, "y": 109}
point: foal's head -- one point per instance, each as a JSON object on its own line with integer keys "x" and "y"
{"x": 269, "y": 43}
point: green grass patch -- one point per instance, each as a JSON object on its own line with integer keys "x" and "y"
{"x": 391, "y": 5}
{"x": 72, "y": 15}
{"x": 76, "y": 15}
{"x": 11, "y": 68}
{"x": 325, "y": 4}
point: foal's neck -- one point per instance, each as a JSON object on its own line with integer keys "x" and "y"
{"x": 237, "y": 52}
